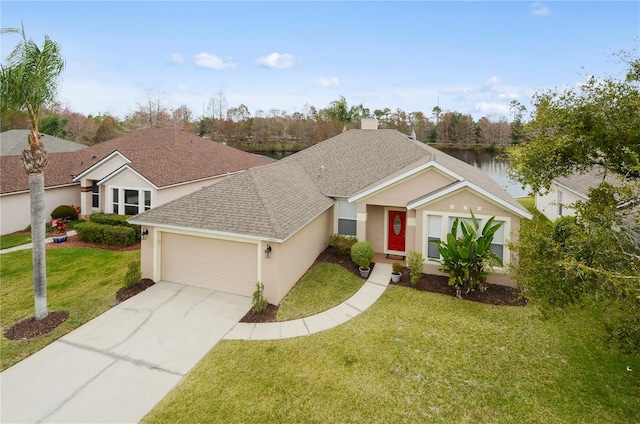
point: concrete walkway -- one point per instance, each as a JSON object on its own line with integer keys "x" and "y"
{"x": 30, "y": 245}
{"x": 118, "y": 366}
{"x": 356, "y": 304}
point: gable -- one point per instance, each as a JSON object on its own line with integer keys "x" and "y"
{"x": 400, "y": 192}
{"x": 127, "y": 177}
{"x": 104, "y": 167}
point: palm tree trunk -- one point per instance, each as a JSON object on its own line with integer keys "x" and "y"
{"x": 34, "y": 160}
{"x": 38, "y": 232}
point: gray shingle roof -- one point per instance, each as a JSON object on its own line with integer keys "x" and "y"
{"x": 13, "y": 142}
{"x": 271, "y": 201}
{"x": 582, "y": 182}
{"x": 276, "y": 200}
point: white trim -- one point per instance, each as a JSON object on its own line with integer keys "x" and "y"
{"x": 115, "y": 173}
{"x": 414, "y": 171}
{"x": 108, "y": 206}
{"x": 386, "y": 231}
{"x": 46, "y": 188}
{"x": 99, "y": 163}
{"x": 466, "y": 184}
{"x": 201, "y": 231}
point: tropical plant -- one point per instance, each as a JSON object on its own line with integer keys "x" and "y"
{"x": 415, "y": 261}
{"x": 362, "y": 253}
{"x": 29, "y": 82}
{"x": 466, "y": 257}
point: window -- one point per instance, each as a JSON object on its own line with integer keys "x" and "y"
{"x": 130, "y": 201}
{"x": 559, "y": 203}
{"x": 95, "y": 195}
{"x": 434, "y": 229}
{"x": 116, "y": 200}
{"x": 497, "y": 245}
{"x": 347, "y": 218}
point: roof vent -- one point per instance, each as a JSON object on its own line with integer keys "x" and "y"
{"x": 322, "y": 169}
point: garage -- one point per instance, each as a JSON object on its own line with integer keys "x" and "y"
{"x": 224, "y": 265}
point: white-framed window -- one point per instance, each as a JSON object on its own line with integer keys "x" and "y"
{"x": 434, "y": 235}
{"x": 438, "y": 226}
{"x": 559, "y": 203}
{"x": 130, "y": 201}
{"x": 347, "y": 217}
{"x": 95, "y": 195}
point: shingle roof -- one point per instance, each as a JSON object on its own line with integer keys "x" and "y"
{"x": 276, "y": 200}
{"x": 165, "y": 156}
{"x": 271, "y": 201}
{"x": 582, "y": 182}
{"x": 13, "y": 142}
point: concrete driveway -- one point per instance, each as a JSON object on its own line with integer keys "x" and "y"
{"x": 116, "y": 367}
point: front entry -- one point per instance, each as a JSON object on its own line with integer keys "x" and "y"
{"x": 397, "y": 226}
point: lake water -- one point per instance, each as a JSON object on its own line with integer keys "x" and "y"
{"x": 492, "y": 163}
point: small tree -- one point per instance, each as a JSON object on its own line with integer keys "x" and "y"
{"x": 134, "y": 274}
{"x": 467, "y": 257}
{"x": 259, "y": 303}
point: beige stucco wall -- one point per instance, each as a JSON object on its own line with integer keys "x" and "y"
{"x": 548, "y": 203}
{"x": 146, "y": 252}
{"x": 15, "y": 209}
{"x": 291, "y": 259}
{"x": 401, "y": 193}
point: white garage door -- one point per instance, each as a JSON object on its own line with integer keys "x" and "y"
{"x": 223, "y": 265}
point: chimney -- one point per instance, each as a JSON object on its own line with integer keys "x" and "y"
{"x": 369, "y": 124}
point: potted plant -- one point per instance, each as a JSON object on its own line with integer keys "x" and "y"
{"x": 362, "y": 254}
{"x": 396, "y": 273}
{"x": 61, "y": 226}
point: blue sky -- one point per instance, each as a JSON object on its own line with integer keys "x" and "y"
{"x": 472, "y": 57}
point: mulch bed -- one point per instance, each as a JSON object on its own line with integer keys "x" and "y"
{"x": 30, "y": 328}
{"x": 132, "y": 290}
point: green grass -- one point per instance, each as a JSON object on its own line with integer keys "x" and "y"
{"x": 417, "y": 357}
{"x": 322, "y": 287}
{"x": 12, "y": 240}
{"x": 81, "y": 281}
{"x": 530, "y": 204}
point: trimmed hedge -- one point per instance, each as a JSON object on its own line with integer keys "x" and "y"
{"x": 111, "y": 235}
{"x": 116, "y": 220}
{"x": 342, "y": 243}
{"x": 65, "y": 212}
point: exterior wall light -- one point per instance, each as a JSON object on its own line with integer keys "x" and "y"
{"x": 267, "y": 251}
{"x": 144, "y": 233}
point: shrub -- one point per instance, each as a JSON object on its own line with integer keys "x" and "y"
{"x": 259, "y": 302}
{"x": 105, "y": 234}
{"x": 342, "y": 243}
{"x": 115, "y": 219}
{"x": 362, "y": 253}
{"x": 134, "y": 274}
{"x": 396, "y": 267}
{"x": 414, "y": 263}
{"x": 65, "y": 212}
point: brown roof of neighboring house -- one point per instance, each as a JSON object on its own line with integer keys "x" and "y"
{"x": 276, "y": 200}
{"x": 164, "y": 156}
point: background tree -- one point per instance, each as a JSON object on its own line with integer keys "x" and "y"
{"x": 30, "y": 82}
{"x": 595, "y": 256}
{"x": 108, "y": 129}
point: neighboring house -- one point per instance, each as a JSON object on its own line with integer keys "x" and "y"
{"x": 270, "y": 223}
{"x": 13, "y": 142}
{"x": 566, "y": 191}
{"x": 126, "y": 175}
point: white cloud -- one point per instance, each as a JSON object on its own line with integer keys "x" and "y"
{"x": 493, "y": 80}
{"x": 488, "y": 108}
{"x": 277, "y": 61}
{"x": 177, "y": 59}
{"x": 325, "y": 82}
{"x": 211, "y": 61}
{"x": 539, "y": 9}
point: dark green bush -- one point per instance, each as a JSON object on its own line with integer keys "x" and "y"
{"x": 342, "y": 243}
{"x": 105, "y": 234}
{"x": 115, "y": 219}
{"x": 65, "y": 212}
{"x": 134, "y": 274}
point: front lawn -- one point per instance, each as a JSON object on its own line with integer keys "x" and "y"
{"x": 416, "y": 357}
{"x": 322, "y": 287}
{"x": 12, "y": 240}
{"x": 82, "y": 281}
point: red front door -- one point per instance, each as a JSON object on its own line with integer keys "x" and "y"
{"x": 396, "y": 230}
